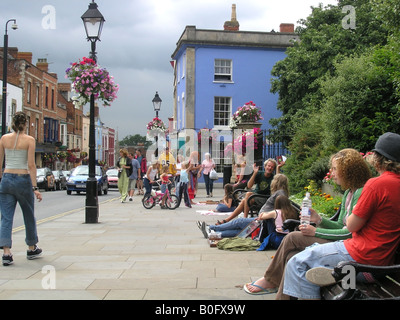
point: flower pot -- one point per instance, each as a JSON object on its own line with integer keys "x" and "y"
{"x": 248, "y": 125}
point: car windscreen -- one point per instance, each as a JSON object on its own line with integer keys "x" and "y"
{"x": 84, "y": 171}
{"x": 112, "y": 173}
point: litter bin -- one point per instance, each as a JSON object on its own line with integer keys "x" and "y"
{"x": 227, "y": 174}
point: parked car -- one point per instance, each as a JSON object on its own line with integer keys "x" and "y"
{"x": 112, "y": 175}
{"x": 45, "y": 179}
{"x": 66, "y": 173}
{"x": 77, "y": 180}
{"x": 61, "y": 180}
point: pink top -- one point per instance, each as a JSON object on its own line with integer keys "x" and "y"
{"x": 207, "y": 166}
{"x": 279, "y": 221}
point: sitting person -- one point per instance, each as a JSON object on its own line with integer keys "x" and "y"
{"x": 226, "y": 204}
{"x": 279, "y": 187}
{"x": 243, "y": 173}
{"x": 374, "y": 224}
{"x": 263, "y": 180}
{"x": 283, "y": 210}
{"x": 350, "y": 172}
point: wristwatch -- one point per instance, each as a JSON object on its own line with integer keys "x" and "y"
{"x": 35, "y": 188}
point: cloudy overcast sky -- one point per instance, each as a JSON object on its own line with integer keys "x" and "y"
{"x": 137, "y": 41}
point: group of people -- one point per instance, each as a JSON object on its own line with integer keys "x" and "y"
{"x": 133, "y": 171}
{"x": 366, "y": 231}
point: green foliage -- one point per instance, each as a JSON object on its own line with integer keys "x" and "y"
{"x": 338, "y": 88}
{"x": 323, "y": 203}
{"x": 134, "y": 140}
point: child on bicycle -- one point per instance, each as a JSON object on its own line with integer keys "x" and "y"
{"x": 164, "y": 184}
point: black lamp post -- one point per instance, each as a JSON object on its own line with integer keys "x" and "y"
{"x": 93, "y": 21}
{"x": 157, "y": 103}
{"x": 157, "y": 106}
{"x": 5, "y": 56}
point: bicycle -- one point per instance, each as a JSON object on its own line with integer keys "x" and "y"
{"x": 150, "y": 200}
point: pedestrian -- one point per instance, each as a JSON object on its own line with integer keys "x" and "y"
{"x": 124, "y": 165}
{"x": 143, "y": 169}
{"x": 374, "y": 224}
{"x": 182, "y": 186}
{"x": 18, "y": 184}
{"x": 133, "y": 178}
{"x": 206, "y": 166}
{"x": 193, "y": 174}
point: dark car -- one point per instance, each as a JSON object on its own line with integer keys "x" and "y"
{"x": 77, "y": 180}
{"x": 112, "y": 175}
{"x": 61, "y": 180}
{"x": 45, "y": 179}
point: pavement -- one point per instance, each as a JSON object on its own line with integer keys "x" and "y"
{"x": 132, "y": 253}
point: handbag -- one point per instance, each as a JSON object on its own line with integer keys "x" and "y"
{"x": 213, "y": 175}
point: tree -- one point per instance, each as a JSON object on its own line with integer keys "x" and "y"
{"x": 323, "y": 41}
{"x": 134, "y": 140}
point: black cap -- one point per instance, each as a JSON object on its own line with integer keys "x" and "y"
{"x": 388, "y": 145}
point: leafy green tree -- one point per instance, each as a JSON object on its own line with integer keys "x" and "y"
{"x": 360, "y": 102}
{"x": 323, "y": 41}
{"x": 134, "y": 140}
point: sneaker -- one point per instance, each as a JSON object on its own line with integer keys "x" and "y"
{"x": 205, "y": 229}
{"x": 130, "y": 199}
{"x": 33, "y": 254}
{"x": 211, "y": 195}
{"x": 320, "y": 276}
{"x": 7, "y": 259}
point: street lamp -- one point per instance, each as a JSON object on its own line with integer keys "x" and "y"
{"x": 5, "y": 56}
{"x": 157, "y": 103}
{"x": 157, "y": 106}
{"x": 93, "y": 21}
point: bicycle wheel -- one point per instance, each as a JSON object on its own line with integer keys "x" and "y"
{"x": 148, "y": 201}
{"x": 172, "y": 202}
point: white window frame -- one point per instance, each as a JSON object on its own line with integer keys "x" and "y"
{"x": 218, "y": 103}
{"x": 223, "y": 70}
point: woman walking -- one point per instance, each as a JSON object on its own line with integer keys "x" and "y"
{"x": 124, "y": 165}
{"x": 206, "y": 166}
{"x": 18, "y": 184}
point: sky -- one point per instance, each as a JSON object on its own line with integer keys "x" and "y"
{"x": 138, "y": 39}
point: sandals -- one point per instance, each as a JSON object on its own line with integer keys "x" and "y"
{"x": 219, "y": 222}
{"x": 262, "y": 290}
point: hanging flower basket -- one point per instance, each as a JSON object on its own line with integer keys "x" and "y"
{"x": 249, "y": 113}
{"x": 88, "y": 78}
{"x": 155, "y": 127}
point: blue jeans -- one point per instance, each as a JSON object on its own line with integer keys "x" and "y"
{"x": 17, "y": 188}
{"x": 232, "y": 228}
{"x": 209, "y": 183}
{"x": 317, "y": 255}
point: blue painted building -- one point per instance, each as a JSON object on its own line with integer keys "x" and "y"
{"x": 217, "y": 71}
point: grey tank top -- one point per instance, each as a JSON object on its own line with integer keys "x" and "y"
{"x": 16, "y": 158}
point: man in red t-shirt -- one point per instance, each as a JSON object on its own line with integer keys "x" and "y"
{"x": 374, "y": 223}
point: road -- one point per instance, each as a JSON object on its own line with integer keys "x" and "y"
{"x": 58, "y": 202}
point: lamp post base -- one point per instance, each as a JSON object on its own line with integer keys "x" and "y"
{"x": 92, "y": 206}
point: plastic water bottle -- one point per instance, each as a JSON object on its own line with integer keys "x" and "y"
{"x": 305, "y": 209}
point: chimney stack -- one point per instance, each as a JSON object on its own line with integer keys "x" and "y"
{"x": 286, "y": 27}
{"x": 25, "y": 56}
{"x": 42, "y": 64}
{"x": 232, "y": 25}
